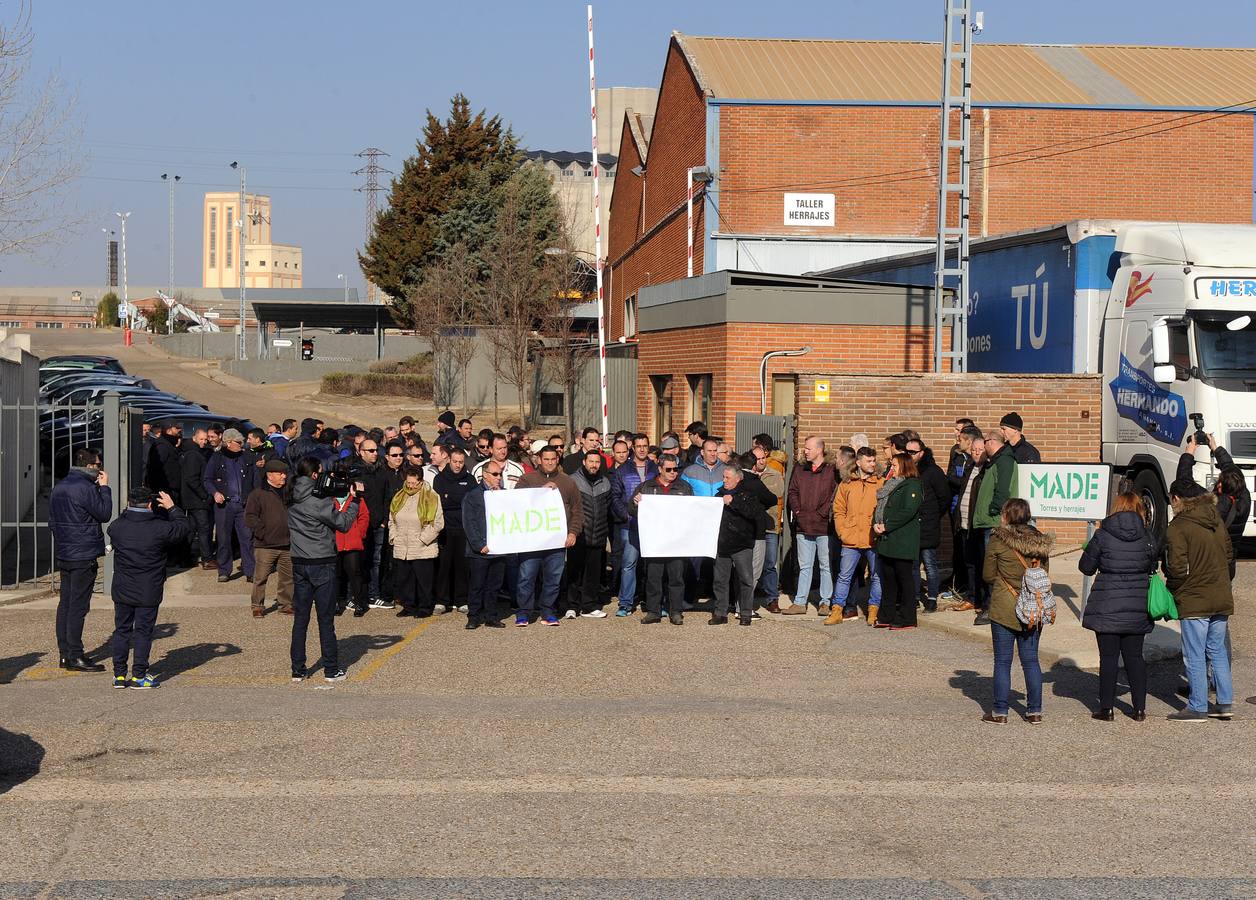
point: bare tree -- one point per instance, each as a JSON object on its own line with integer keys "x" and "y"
{"x": 567, "y": 343}
{"x": 39, "y": 145}
{"x": 444, "y": 307}
{"x": 521, "y": 279}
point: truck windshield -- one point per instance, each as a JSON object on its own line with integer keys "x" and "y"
{"x": 1224, "y": 353}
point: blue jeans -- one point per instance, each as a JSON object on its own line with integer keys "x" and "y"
{"x": 314, "y": 586}
{"x": 813, "y": 549}
{"x": 1026, "y": 644}
{"x": 549, "y": 564}
{"x": 933, "y": 579}
{"x": 846, "y": 571}
{"x": 770, "y": 580}
{"x": 630, "y": 543}
{"x": 1203, "y": 643}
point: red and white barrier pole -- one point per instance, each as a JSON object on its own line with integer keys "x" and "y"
{"x": 597, "y": 232}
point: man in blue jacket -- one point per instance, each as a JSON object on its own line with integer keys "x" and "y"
{"x": 140, "y": 542}
{"x": 487, "y": 570}
{"x": 624, "y": 482}
{"x": 79, "y": 504}
{"x": 228, "y": 481}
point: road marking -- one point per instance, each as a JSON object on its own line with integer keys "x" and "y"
{"x": 85, "y": 790}
{"x": 373, "y": 666}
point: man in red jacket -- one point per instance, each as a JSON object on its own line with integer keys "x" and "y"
{"x": 810, "y": 502}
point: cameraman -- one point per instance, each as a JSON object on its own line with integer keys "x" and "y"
{"x": 1234, "y": 501}
{"x": 312, "y": 525}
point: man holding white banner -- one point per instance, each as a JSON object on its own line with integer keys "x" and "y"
{"x": 548, "y": 557}
{"x": 673, "y": 525}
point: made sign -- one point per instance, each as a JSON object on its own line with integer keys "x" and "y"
{"x": 809, "y": 210}
{"x": 523, "y": 521}
{"x": 1065, "y": 490}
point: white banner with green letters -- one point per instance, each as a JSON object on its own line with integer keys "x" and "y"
{"x": 1065, "y": 490}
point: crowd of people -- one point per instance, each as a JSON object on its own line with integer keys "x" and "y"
{"x": 365, "y": 520}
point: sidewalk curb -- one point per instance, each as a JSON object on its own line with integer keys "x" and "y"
{"x": 27, "y": 597}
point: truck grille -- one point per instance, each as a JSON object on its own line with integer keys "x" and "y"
{"x": 1242, "y": 444}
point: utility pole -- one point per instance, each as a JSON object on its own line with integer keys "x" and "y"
{"x": 243, "y": 218}
{"x": 958, "y": 15}
{"x": 126, "y": 304}
{"x": 172, "y": 181}
{"x": 372, "y": 170}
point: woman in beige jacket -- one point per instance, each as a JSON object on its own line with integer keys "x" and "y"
{"x": 414, "y": 522}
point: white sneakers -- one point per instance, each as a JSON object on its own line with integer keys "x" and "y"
{"x": 440, "y": 609}
{"x": 593, "y": 614}
{"x": 569, "y": 614}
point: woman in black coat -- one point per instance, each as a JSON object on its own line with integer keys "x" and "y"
{"x": 1124, "y": 554}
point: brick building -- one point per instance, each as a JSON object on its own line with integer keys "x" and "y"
{"x": 1059, "y": 132}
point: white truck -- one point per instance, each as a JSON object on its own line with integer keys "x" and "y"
{"x": 1164, "y": 312}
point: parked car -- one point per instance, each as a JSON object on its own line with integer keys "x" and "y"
{"x": 91, "y": 360}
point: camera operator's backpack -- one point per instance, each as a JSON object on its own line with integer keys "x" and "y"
{"x": 1035, "y": 601}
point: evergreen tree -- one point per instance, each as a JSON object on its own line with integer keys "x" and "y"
{"x": 463, "y": 151}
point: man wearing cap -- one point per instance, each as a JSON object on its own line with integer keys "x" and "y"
{"x": 446, "y": 433}
{"x": 140, "y": 543}
{"x": 228, "y": 480}
{"x": 163, "y": 472}
{"x": 499, "y": 450}
{"x": 266, "y": 514}
{"x": 670, "y": 446}
{"x": 1023, "y": 452}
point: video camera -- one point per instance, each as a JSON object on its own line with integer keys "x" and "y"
{"x": 1201, "y": 437}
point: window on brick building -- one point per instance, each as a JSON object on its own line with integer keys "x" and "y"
{"x": 630, "y": 316}
{"x": 699, "y": 398}
{"x": 662, "y": 406}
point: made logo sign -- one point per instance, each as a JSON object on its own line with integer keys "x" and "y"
{"x": 1065, "y": 490}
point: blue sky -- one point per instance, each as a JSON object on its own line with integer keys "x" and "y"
{"x": 294, "y": 89}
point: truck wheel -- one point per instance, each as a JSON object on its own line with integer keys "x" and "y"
{"x": 1147, "y": 485}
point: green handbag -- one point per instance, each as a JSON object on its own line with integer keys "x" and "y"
{"x": 1160, "y": 605}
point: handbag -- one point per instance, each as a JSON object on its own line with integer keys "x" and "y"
{"x": 1160, "y": 605}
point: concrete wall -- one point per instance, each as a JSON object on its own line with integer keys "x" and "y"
{"x": 1061, "y": 414}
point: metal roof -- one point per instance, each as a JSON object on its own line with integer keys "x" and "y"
{"x": 294, "y": 313}
{"x": 907, "y": 72}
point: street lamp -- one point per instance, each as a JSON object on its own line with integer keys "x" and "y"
{"x": 125, "y": 312}
{"x": 341, "y": 277}
{"x": 172, "y": 181}
{"x": 240, "y": 354}
{"x": 697, "y": 175}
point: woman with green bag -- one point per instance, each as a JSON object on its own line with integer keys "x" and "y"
{"x": 1124, "y": 555}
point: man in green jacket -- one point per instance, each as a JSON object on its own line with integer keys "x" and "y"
{"x": 1197, "y": 572}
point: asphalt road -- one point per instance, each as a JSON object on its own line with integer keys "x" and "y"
{"x": 600, "y": 758}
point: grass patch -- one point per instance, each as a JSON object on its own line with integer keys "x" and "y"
{"x": 359, "y": 384}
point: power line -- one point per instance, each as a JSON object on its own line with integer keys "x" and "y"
{"x": 194, "y": 165}
{"x": 218, "y": 185}
{"x": 229, "y": 150}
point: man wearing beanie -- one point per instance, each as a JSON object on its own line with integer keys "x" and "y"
{"x": 445, "y": 427}
{"x": 266, "y": 514}
{"x": 140, "y": 543}
{"x": 229, "y": 481}
{"x": 1022, "y": 451}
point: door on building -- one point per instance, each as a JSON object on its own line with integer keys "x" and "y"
{"x": 662, "y": 418}
{"x": 700, "y": 398}
{"x": 784, "y": 389}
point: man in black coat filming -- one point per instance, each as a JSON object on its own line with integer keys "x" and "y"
{"x": 140, "y": 542}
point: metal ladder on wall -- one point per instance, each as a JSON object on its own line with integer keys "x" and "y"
{"x": 951, "y": 266}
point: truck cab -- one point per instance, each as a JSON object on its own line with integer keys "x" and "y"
{"x": 1178, "y": 338}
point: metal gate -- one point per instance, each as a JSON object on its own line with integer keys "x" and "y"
{"x": 40, "y": 441}
{"x": 781, "y": 430}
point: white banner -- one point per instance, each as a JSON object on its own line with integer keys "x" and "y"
{"x": 521, "y": 521}
{"x": 1065, "y": 490}
{"x": 679, "y": 526}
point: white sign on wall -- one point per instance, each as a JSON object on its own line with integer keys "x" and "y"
{"x": 1065, "y": 490}
{"x": 809, "y": 210}
{"x": 679, "y": 526}
{"x": 521, "y": 521}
